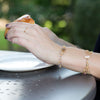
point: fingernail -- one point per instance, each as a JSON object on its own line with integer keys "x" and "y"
{"x": 7, "y": 25}
{"x": 6, "y": 37}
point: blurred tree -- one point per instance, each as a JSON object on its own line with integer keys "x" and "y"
{"x": 47, "y": 13}
{"x": 76, "y": 21}
{"x": 86, "y": 25}
{"x": 62, "y": 2}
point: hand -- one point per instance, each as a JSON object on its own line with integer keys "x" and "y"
{"x": 51, "y": 35}
{"x": 35, "y": 39}
{"x": 56, "y": 39}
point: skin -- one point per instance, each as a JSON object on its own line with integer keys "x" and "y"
{"x": 45, "y": 45}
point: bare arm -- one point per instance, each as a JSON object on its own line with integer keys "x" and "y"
{"x": 56, "y": 39}
{"x": 39, "y": 42}
{"x": 74, "y": 59}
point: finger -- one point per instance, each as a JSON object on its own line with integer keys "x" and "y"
{"x": 30, "y": 27}
{"x": 14, "y": 24}
{"x": 48, "y": 30}
{"x": 45, "y": 28}
{"x": 21, "y": 41}
{"x": 25, "y": 27}
{"x": 12, "y": 33}
{"x": 50, "y": 34}
{"x": 24, "y": 43}
{"x": 38, "y": 28}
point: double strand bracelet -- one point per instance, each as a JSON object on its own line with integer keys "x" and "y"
{"x": 86, "y": 69}
{"x": 63, "y": 49}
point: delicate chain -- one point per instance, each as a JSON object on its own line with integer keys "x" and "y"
{"x": 86, "y": 69}
{"x": 63, "y": 49}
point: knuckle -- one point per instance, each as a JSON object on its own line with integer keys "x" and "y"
{"x": 45, "y": 27}
{"x": 14, "y": 29}
{"x": 30, "y": 27}
{"x": 21, "y": 42}
{"x": 16, "y": 34}
{"x": 36, "y": 26}
{"x": 17, "y": 40}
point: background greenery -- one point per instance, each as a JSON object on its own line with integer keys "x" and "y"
{"x": 76, "y": 21}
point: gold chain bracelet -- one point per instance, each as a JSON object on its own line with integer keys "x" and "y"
{"x": 86, "y": 69}
{"x": 63, "y": 49}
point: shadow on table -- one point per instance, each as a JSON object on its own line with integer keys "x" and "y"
{"x": 46, "y": 84}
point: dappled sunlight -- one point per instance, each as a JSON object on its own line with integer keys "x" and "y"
{"x": 71, "y": 20}
{"x": 62, "y": 24}
{"x": 1, "y": 0}
{"x": 3, "y": 22}
{"x": 48, "y": 24}
{"x": 5, "y": 7}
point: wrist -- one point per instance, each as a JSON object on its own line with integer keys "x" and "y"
{"x": 73, "y": 59}
{"x": 53, "y": 57}
{"x": 57, "y": 55}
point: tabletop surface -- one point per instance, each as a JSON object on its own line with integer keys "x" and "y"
{"x": 52, "y": 83}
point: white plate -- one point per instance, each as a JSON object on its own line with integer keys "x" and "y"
{"x": 20, "y": 61}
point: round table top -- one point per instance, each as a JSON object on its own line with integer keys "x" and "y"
{"x": 51, "y": 83}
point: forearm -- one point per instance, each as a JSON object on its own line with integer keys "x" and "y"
{"x": 41, "y": 45}
{"x": 74, "y": 59}
{"x": 63, "y": 42}
{"x": 56, "y": 39}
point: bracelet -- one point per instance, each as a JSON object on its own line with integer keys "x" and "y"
{"x": 86, "y": 69}
{"x": 63, "y": 49}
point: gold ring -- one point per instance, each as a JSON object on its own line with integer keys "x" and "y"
{"x": 25, "y": 30}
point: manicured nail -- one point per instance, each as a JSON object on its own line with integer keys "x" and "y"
{"x": 6, "y": 37}
{"x": 7, "y": 25}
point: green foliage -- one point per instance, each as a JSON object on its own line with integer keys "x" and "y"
{"x": 86, "y": 23}
{"x": 76, "y": 21}
{"x": 3, "y": 42}
{"x": 6, "y": 45}
{"x": 44, "y": 12}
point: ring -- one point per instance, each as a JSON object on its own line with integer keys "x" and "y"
{"x": 25, "y": 30}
